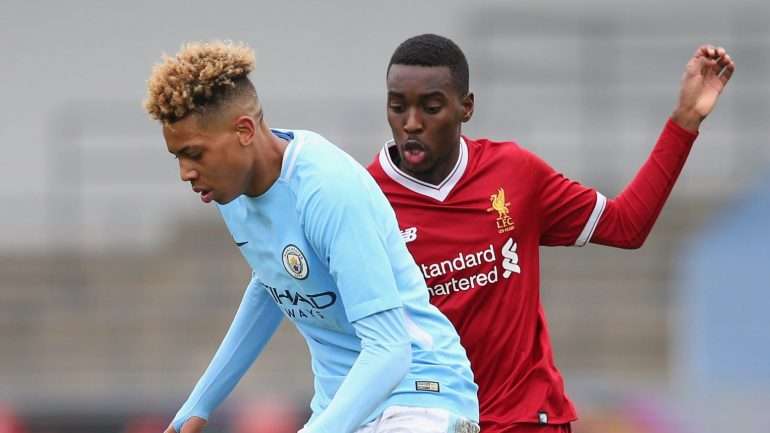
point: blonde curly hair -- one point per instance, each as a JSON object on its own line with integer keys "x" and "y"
{"x": 200, "y": 75}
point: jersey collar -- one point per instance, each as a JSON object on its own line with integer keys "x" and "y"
{"x": 438, "y": 192}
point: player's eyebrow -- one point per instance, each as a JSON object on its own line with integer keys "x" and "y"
{"x": 428, "y": 95}
{"x": 186, "y": 148}
{"x": 177, "y": 152}
{"x": 434, "y": 94}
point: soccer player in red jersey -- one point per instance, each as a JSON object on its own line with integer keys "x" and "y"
{"x": 474, "y": 213}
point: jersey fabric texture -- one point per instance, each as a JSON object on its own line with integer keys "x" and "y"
{"x": 476, "y": 239}
{"x": 326, "y": 253}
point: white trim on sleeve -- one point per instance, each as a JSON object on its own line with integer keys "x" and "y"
{"x": 593, "y": 221}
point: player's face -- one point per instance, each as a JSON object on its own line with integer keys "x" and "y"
{"x": 210, "y": 157}
{"x": 425, "y": 111}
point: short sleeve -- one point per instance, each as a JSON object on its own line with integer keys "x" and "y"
{"x": 346, "y": 220}
{"x": 568, "y": 211}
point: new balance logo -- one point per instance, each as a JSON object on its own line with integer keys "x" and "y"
{"x": 510, "y": 258}
{"x": 409, "y": 234}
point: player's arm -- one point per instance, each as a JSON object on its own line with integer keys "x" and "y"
{"x": 385, "y": 357}
{"x": 255, "y": 322}
{"x": 343, "y": 222}
{"x": 628, "y": 219}
{"x": 572, "y": 214}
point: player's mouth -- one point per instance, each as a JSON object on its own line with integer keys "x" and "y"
{"x": 414, "y": 152}
{"x": 206, "y": 194}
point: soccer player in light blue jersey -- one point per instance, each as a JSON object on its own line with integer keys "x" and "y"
{"x": 325, "y": 252}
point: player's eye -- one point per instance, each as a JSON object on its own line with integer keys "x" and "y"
{"x": 396, "y": 108}
{"x": 193, "y": 155}
{"x": 432, "y": 109}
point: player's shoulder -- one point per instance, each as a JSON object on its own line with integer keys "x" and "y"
{"x": 312, "y": 164}
{"x": 309, "y": 145}
{"x": 310, "y": 154}
{"x": 491, "y": 150}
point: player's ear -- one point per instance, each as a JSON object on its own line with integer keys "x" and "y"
{"x": 468, "y": 107}
{"x": 246, "y": 128}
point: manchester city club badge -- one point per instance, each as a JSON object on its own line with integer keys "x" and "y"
{"x": 294, "y": 262}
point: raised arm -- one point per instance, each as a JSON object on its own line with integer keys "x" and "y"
{"x": 628, "y": 218}
{"x": 572, "y": 214}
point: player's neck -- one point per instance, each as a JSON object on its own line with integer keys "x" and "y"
{"x": 437, "y": 173}
{"x": 267, "y": 162}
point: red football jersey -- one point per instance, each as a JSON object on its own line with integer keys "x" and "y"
{"x": 476, "y": 238}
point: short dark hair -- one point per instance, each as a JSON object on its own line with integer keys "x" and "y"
{"x": 434, "y": 50}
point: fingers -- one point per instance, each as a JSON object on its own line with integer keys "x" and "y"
{"x": 704, "y": 51}
{"x": 715, "y": 59}
{"x": 727, "y": 72}
{"x": 193, "y": 425}
{"x": 725, "y": 65}
{"x": 725, "y": 60}
{"x": 710, "y": 52}
{"x": 169, "y": 429}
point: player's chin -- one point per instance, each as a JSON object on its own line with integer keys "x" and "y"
{"x": 424, "y": 167}
{"x": 224, "y": 199}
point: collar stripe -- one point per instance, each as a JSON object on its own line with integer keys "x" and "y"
{"x": 438, "y": 192}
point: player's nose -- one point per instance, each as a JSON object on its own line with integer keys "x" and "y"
{"x": 187, "y": 173}
{"x": 413, "y": 121}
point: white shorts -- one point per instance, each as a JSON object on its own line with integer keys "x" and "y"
{"x": 403, "y": 419}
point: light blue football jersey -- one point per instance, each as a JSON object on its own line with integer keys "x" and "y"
{"x": 324, "y": 243}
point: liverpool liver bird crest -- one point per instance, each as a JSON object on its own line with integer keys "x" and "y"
{"x": 499, "y": 204}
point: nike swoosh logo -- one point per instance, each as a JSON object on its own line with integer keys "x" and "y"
{"x": 240, "y": 244}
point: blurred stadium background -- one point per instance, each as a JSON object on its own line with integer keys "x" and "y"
{"x": 116, "y": 284}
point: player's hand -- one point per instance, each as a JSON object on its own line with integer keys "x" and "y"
{"x": 704, "y": 78}
{"x": 192, "y": 425}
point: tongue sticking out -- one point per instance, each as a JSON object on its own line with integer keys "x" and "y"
{"x": 206, "y": 197}
{"x": 414, "y": 157}
{"x": 414, "y": 154}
